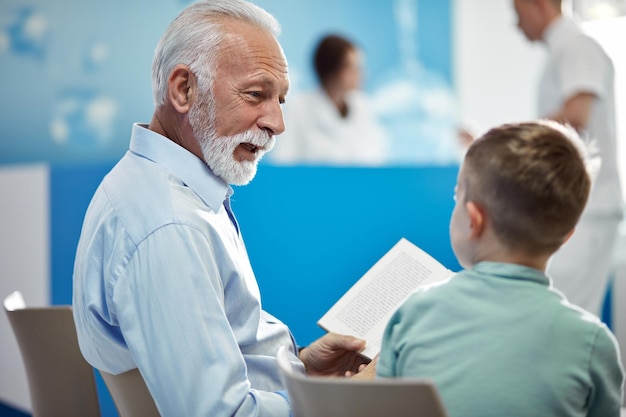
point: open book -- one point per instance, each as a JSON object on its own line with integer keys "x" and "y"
{"x": 364, "y": 310}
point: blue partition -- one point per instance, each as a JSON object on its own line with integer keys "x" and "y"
{"x": 310, "y": 232}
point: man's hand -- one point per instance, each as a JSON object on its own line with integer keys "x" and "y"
{"x": 333, "y": 355}
{"x": 365, "y": 371}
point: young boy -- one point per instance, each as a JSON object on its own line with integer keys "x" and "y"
{"x": 497, "y": 339}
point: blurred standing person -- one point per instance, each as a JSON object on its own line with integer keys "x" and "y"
{"x": 577, "y": 87}
{"x": 333, "y": 124}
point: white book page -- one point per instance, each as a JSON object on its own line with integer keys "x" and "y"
{"x": 364, "y": 310}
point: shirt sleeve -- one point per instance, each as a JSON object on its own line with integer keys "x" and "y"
{"x": 584, "y": 68}
{"x": 388, "y": 356}
{"x": 607, "y": 376}
{"x": 170, "y": 306}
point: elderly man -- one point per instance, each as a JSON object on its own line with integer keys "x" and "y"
{"x": 162, "y": 280}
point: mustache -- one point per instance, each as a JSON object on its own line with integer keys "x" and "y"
{"x": 259, "y": 138}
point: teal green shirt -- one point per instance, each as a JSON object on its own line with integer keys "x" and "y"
{"x": 498, "y": 340}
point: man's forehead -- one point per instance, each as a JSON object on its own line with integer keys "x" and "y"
{"x": 247, "y": 41}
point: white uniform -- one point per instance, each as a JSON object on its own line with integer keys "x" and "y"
{"x": 578, "y": 64}
{"x": 315, "y": 133}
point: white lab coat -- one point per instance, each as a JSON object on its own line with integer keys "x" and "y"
{"x": 316, "y": 134}
{"x": 577, "y": 63}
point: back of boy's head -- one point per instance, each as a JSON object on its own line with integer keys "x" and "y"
{"x": 532, "y": 180}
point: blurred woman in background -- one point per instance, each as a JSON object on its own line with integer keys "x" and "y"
{"x": 333, "y": 125}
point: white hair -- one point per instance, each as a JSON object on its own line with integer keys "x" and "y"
{"x": 194, "y": 39}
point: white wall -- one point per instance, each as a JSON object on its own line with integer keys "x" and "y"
{"x": 496, "y": 70}
{"x": 24, "y": 264}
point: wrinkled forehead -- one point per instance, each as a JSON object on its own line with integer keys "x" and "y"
{"x": 255, "y": 39}
{"x": 246, "y": 45}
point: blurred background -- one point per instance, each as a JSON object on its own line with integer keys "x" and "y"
{"x": 75, "y": 75}
{"x": 79, "y": 71}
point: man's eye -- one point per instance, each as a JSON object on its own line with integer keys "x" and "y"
{"x": 256, "y": 94}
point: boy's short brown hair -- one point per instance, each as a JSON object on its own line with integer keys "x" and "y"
{"x": 532, "y": 180}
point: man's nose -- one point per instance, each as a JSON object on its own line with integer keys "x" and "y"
{"x": 272, "y": 119}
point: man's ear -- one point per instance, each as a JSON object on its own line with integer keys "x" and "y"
{"x": 181, "y": 88}
{"x": 477, "y": 219}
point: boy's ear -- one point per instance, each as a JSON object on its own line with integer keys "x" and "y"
{"x": 477, "y": 218}
{"x": 181, "y": 88}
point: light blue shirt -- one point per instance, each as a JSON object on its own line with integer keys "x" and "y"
{"x": 498, "y": 340}
{"x": 163, "y": 283}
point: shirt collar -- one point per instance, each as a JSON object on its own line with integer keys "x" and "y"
{"x": 190, "y": 169}
{"x": 559, "y": 31}
{"x": 511, "y": 271}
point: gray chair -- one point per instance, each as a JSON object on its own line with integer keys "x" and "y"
{"x": 311, "y": 396}
{"x": 130, "y": 394}
{"x": 60, "y": 381}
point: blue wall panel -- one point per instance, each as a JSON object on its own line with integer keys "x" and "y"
{"x": 310, "y": 232}
{"x": 71, "y": 189}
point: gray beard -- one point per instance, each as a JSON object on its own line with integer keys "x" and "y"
{"x": 218, "y": 151}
